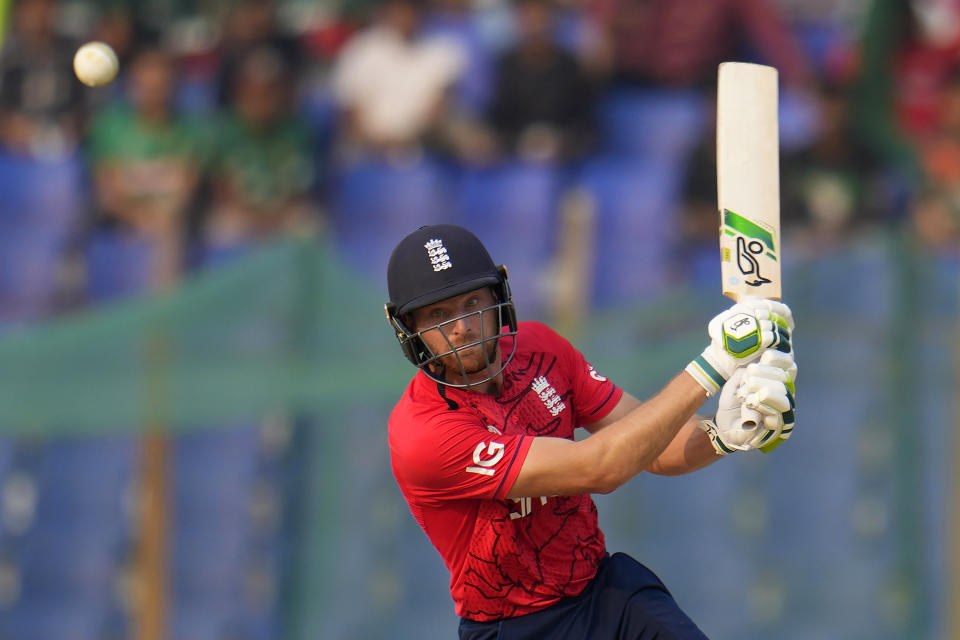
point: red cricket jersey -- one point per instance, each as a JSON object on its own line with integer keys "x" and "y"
{"x": 507, "y": 557}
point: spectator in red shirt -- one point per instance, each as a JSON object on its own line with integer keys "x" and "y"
{"x": 679, "y": 44}
{"x": 482, "y": 444}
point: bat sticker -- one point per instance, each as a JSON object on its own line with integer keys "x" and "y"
{"x": 747, "y": 262}
{"x": 753, "y": 242}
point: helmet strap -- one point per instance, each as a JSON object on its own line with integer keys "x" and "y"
{"x": 442, "y": 390}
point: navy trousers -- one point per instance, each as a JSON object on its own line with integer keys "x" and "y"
{"x": 624, "y": 601}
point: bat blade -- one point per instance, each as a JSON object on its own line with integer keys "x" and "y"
{"x": 748, "y": 180}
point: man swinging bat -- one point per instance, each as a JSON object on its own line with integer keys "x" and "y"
{"x": 482, "y": 445}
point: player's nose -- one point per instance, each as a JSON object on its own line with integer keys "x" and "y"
{"x": 463, "y": 325}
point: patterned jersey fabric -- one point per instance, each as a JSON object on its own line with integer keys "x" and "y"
{"x": 455, "y": 467}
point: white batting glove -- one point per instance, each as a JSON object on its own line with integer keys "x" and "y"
{"x": 756, "y": 406}
{"x": 735, "y": 425}
{"x": 739, "y": 336}
{"x": 762, "y": 306}
{"x": 768, "y": 387}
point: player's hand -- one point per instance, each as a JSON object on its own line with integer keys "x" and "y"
{"x": 756, "y": 406}
{"x": 734, "y": 425}
{"x": 769, "y": 388}
{"x": 764, "y": 306}
{"x": 739, "y": 336}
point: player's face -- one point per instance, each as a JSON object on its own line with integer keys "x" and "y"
{"x": 459, "y": 321}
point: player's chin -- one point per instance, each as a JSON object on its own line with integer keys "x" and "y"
{"x": 469, "y": 361}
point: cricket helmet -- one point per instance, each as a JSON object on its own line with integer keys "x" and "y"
{"x": 434, "y": 263}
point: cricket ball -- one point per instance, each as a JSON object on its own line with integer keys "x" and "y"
{"x": 95, "y": 64}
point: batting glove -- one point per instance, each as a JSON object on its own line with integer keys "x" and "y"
{"x": 739, "y": 336}
{"x": 756, "y": 406}
{"x": 734, "y": 424}
{"x": 764, "y": 306}
{"x": 769, "y": 387}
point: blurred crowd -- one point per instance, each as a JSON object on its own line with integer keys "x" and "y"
{"x": 235, "y": 121}
{"x": 575, "y": 137}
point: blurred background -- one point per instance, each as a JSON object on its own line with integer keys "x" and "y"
{"x": 195, "y": 372}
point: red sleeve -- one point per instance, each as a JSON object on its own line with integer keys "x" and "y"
{"x": 602, "y": 395}
{"x": 594, "y": 394}
{"x": 456, "y": 458}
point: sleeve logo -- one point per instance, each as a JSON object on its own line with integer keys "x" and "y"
{"x": 485, "y": 457}
{"x": 596, "y": 376}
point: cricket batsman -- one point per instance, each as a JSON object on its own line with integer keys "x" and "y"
{"x": 482, "y": 444}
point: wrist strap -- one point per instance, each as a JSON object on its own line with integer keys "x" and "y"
{"x": 705, "y": 374}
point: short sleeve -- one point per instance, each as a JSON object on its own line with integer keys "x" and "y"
{"x": 594, "y": 394}
{"x": 456, "y": 458}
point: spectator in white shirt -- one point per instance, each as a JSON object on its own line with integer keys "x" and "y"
{"x": 392, "y": 83}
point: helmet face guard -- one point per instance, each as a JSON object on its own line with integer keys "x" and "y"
{"x": 416, "y": 350}
{"x": 439, "y": 262}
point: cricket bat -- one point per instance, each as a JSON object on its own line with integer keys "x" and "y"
{"x": 748, "y": 183}
{"x": 748, "y": 180}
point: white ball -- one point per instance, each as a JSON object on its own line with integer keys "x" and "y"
{"x": 95, "y": 64}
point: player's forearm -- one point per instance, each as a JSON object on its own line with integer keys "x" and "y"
{"x": 636, "y": 441}
{"x": 688, "y": 451}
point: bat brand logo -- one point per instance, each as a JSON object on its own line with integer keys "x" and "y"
{"x": 755, "y": 243}
{"x": 747, "y": 253}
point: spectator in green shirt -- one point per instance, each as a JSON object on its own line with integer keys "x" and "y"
{"x": 146, "y": 160}
{"x": 262, "y": 172}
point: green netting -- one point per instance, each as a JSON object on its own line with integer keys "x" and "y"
{"x": 284, "y": 328}
{"x": 877, "y": 319}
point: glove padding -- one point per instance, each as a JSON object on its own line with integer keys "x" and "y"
{"x": 756, "y": 406}
{"x": 739, "y": 336}
{"x": 765, "y": 306}
{"x": 734, "y": 424}
{"x": 768, "y": 387}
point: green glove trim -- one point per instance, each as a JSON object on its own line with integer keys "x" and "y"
{"x": 708, "y": 371}
{"x": 767, "y": 448}
{"x": 740, "y": 347}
